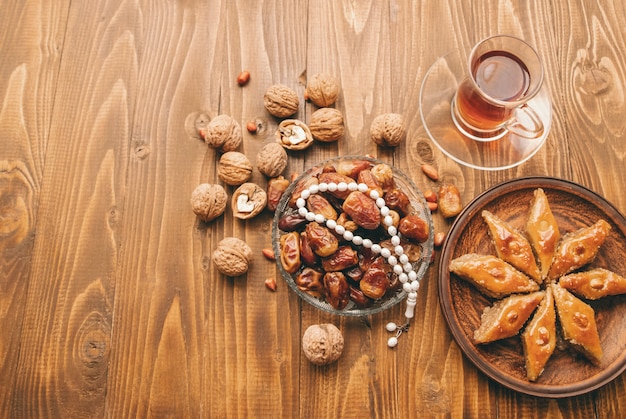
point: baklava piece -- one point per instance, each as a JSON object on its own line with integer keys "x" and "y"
{"x": 506, "y": 317}
{"x": 542, "y": 230}
{"x": 578, "y": 248}
{"x": 511, "y": 246}
{"x": 491, "y": 275}
{"x": 594, "y": 284}
{"x": 539, "y": 337}
{"x": 578, "y": 324}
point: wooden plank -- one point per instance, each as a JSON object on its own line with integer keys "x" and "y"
{"x": 31, "y": 41}
{"x": 66, "y": 340}
{"x": 225, "y": 341}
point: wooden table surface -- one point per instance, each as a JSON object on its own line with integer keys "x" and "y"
{"x": 109, "y": 303}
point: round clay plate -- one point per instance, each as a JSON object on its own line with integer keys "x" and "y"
{"x": 567, "y": 373}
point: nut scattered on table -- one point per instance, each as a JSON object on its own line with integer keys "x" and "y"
{"x": 269, "y": 254}
{"x": 270, "y": 283}
{"x": 252, "y": 127}
{"x": 234, "y": 168}
{"x": 223, "y": 133}
{"x": 322, "y": 343}
{"x": 322, "y": 89}
{"x": 281, "y": 101}
{"x": 293, "y": 135}
{"x": 248, "y": 201}
{"x": 430, "y": 171}
{"x": 388, "y": 130}
{"x": 243, "y": 78}
{"x": 208, "y": 201}
{"x": 271, "y": 160}
{"x": 327, "y": 125}
{"x": 232, "y": 256}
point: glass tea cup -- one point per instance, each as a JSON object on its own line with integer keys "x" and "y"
{"x": 504, "y": 74}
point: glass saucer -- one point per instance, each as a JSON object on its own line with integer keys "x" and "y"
{"x": 438, "y": 89}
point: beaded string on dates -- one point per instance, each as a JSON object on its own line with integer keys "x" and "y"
{"x": 396, "y": 259}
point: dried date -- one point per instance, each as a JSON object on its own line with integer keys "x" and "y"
{"x": 311, "y": 281}
{"x": 354, "y": 274}
{"x": 413, "y": 227}
{"x": 351, "y": 168}
{"x": 320, "y": 205}
{"x": 362, "y": 210}
{"x": 275, "y": 189}
{"x": 366, "y": 177}
{"x": 290, "y": 252}
{"x": 398, "y": 201}
{"x": 321, "y": 240}
{"x": 383, "y": 173}
{"x": 374, "y": 283}
{"x": 345, "y": 257}
{"x": 337, "y": 290}
{"x": 307, "y": 254}
{"x": 291, "y": 222}
{"x": 449, "y": 199}
{"x": 297, "y": 191}
{"x": 360, "y": 299}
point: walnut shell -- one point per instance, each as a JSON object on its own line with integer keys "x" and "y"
{"x": 223, "y": 133}
{"x": 322, "y": 343}
{"x": 322, "y": 89}
{"x": 234, "y": 168}
{"x": 271, "y": 160}
{"x": 248, "y": 201}
{"x": 232, "y": 256}
{"x": 208, "y": 201}
{"x": 326, "y": 125}
{"x": 281, "y": 101}
{"x": 293, "y": 135}
{"x": 388, "y": 129}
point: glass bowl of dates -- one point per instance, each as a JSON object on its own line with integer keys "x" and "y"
{"x": 334, "y": 244}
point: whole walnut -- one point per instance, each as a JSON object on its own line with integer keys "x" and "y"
{"x": 388, "y": 129}
{"x": 232, "y": 256}
{"x": 208, "y": 201}
{"x": 322, "y": 343}
{"x": 322, "y": 89}
{"x": 234, "y": 168}
{"x": 223, "y": 133}
{"x": 281, "y": 101}
{"x": 326, "y": 125}
{"x": 271, "y": 160}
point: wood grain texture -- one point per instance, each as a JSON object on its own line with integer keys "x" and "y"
{"x": 109, "y": 303}
{"x": 28, "y": 76}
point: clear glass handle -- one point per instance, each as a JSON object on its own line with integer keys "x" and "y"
{"x": 525, "y": 123}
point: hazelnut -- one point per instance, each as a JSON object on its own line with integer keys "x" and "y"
{"x": 232, "y": 256}
{"x": 234, "y": 168}
{"x": 248, "y": 201}
{"x": 223, "y": 133}
{"x": 322, "y": 343}
{"x": 243, "y": 78}
{"x": 271, "y": 160}
{"x": 281, "y": 101}
{"x": 208, "y": 201}
{"x": 326, "y": 125}
{"x": 388, "y": 130}
{"x": 322, "y": 89}
{"x": 293, "y": 135}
